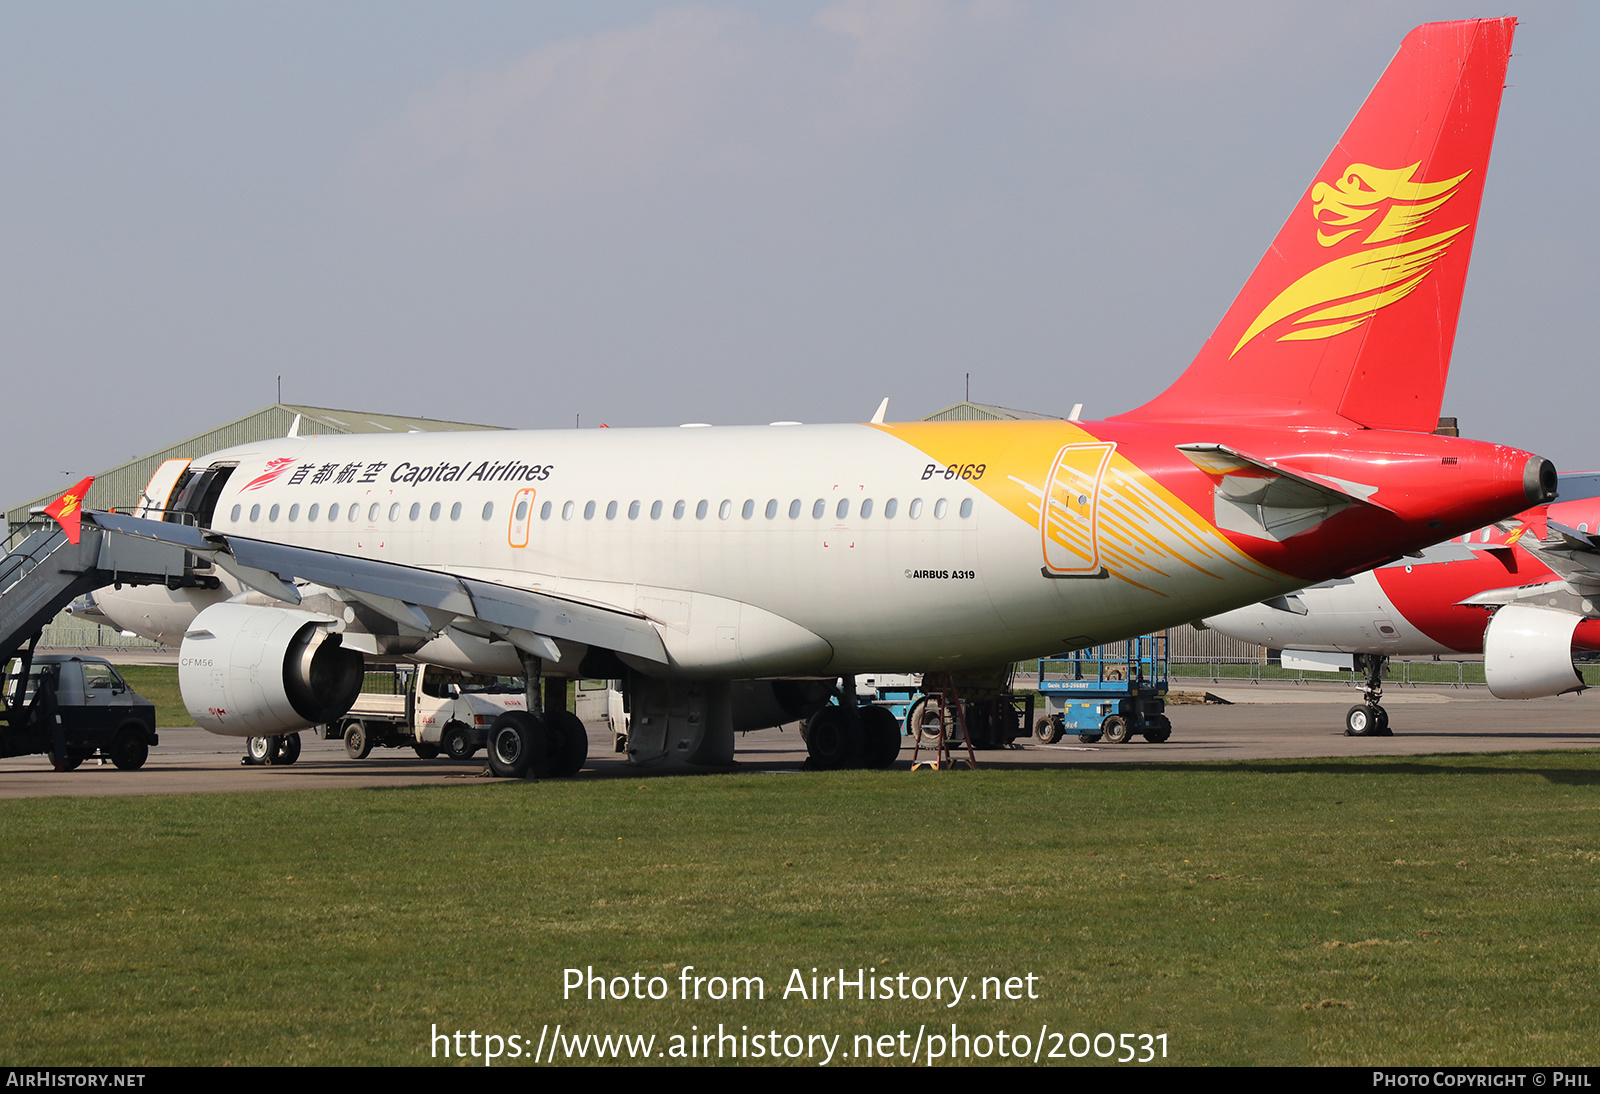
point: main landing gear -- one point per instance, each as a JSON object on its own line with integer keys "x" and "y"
{"x": 1368, "y": 718}
{"x": 271, "y": 751}
{"x": 544, "y": 741}
{"x": 851, "y": 735}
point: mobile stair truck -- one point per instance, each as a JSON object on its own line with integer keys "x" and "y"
{"x": 71, "y": 708}
{"x": 1109, "y": 693}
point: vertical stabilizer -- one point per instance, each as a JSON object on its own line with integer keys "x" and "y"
{"x": 1353, "y": 309}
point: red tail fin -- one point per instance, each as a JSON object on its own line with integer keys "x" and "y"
{"x": 68, "y": 509}
{"x": 1353, "y": 310}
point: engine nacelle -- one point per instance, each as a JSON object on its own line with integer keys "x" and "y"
{"x": 258, "y": 672}
{"x": 1527, "y": 653}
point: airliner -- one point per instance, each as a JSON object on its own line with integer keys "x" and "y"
{"x": 730, "y": 575}
{"x": 1521, "y": 592}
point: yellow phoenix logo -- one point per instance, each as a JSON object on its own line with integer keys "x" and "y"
{"x": 1344, "y": 293}
{"x": 69, "y": 502}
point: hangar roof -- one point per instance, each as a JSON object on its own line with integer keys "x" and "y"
{"x": 983, "y": 412}
{"x": 120, "y": 486}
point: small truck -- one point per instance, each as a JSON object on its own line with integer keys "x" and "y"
{"x": 428, "y": 710}
{"x": 71, "y": 708}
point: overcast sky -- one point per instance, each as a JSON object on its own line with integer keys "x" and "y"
{"x": 651, "y": 213}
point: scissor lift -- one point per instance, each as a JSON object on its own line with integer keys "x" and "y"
{"x": 1109, "y": 693}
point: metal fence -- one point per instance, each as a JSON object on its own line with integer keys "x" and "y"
{"x": 1461, "y": 674}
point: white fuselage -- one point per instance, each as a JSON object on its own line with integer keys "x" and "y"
{"x": 756, "y": 551}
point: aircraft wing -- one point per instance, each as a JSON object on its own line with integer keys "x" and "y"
{"x": 1570, "y": 553}
{"x": 412, "y": 596}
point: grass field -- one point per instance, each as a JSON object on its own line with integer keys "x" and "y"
{"x": 1406, "y": 911}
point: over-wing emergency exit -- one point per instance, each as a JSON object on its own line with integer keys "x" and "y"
{"x": 729, "y": 575}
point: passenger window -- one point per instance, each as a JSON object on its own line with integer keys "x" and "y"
{"x": 866, "y": 509}
{"x": 455, "y": 511}
{"x": 333, "y": 512}
{"x": 725, "y": 510}
{"x": 702, "y": 509}
{"x": 488, "y": 510}
{"x": 655, "y": 510}
{"x": 434, "y": 511}
{"x": 966, "y": 508}
{"x": 566, "y": 511}
{"x": 633, "y": 510}
{"x": 294, "y": 511}
{"x": 940, "y": 508}
{"x": 772, "y": 509}
{"x": 255, "y": 512}
{"x": 372, "y": 513}
{"x": 416, "y": 510}
{"x": 916, "y": 508}
{"x": 522, "y": 509}
{"x": 545, "y": 509}
{"x": 234, "y": 516}
{"x": 677, "y": 511}
{"x": 394, "y": 511}
{"x": 794, "y": 509}
{"x": 588, "y": 510}
{"x": 843, "y": 510}
{"x": 890, "y": 508}
{"x": 272, "y": 514}
{"x": 311, "y": 514}
{"x": 611, "y": 510}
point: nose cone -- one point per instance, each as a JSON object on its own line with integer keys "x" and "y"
{"x": 1539, "y": 480}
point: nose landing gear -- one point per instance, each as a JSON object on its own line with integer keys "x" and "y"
{"x": 1368, "y": 718}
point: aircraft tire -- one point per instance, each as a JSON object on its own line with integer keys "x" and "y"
{"x": 514, "y": 740}
{"x": 258, "y": 750}
{"x": 880, "y": 737}
{"x": 285, "y": 750}
{"x": 567, "y": 744}
{"x": 831, "y": 741}
{"x": 1116, "y": 730}
{"x": 457, "y": 741}
{"x": 1361, "y": 721}
{"x": 357, "y": 741}
{"x": 129, "y": 749}
{"x": 1382, "y": 729}
{"x": 1047, "y": 731}
{"x": 1158, "y": 729}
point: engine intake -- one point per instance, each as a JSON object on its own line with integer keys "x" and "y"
{"x": 257, "y": 671}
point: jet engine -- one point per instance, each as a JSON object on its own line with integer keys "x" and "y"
{"x": 1527, "y": 652}
{"x": 249, "y": 671}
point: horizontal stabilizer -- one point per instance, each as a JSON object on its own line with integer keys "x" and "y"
{"x": 1259, "y": 498}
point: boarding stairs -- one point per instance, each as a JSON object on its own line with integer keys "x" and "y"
{"x": 45, "y": 572}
